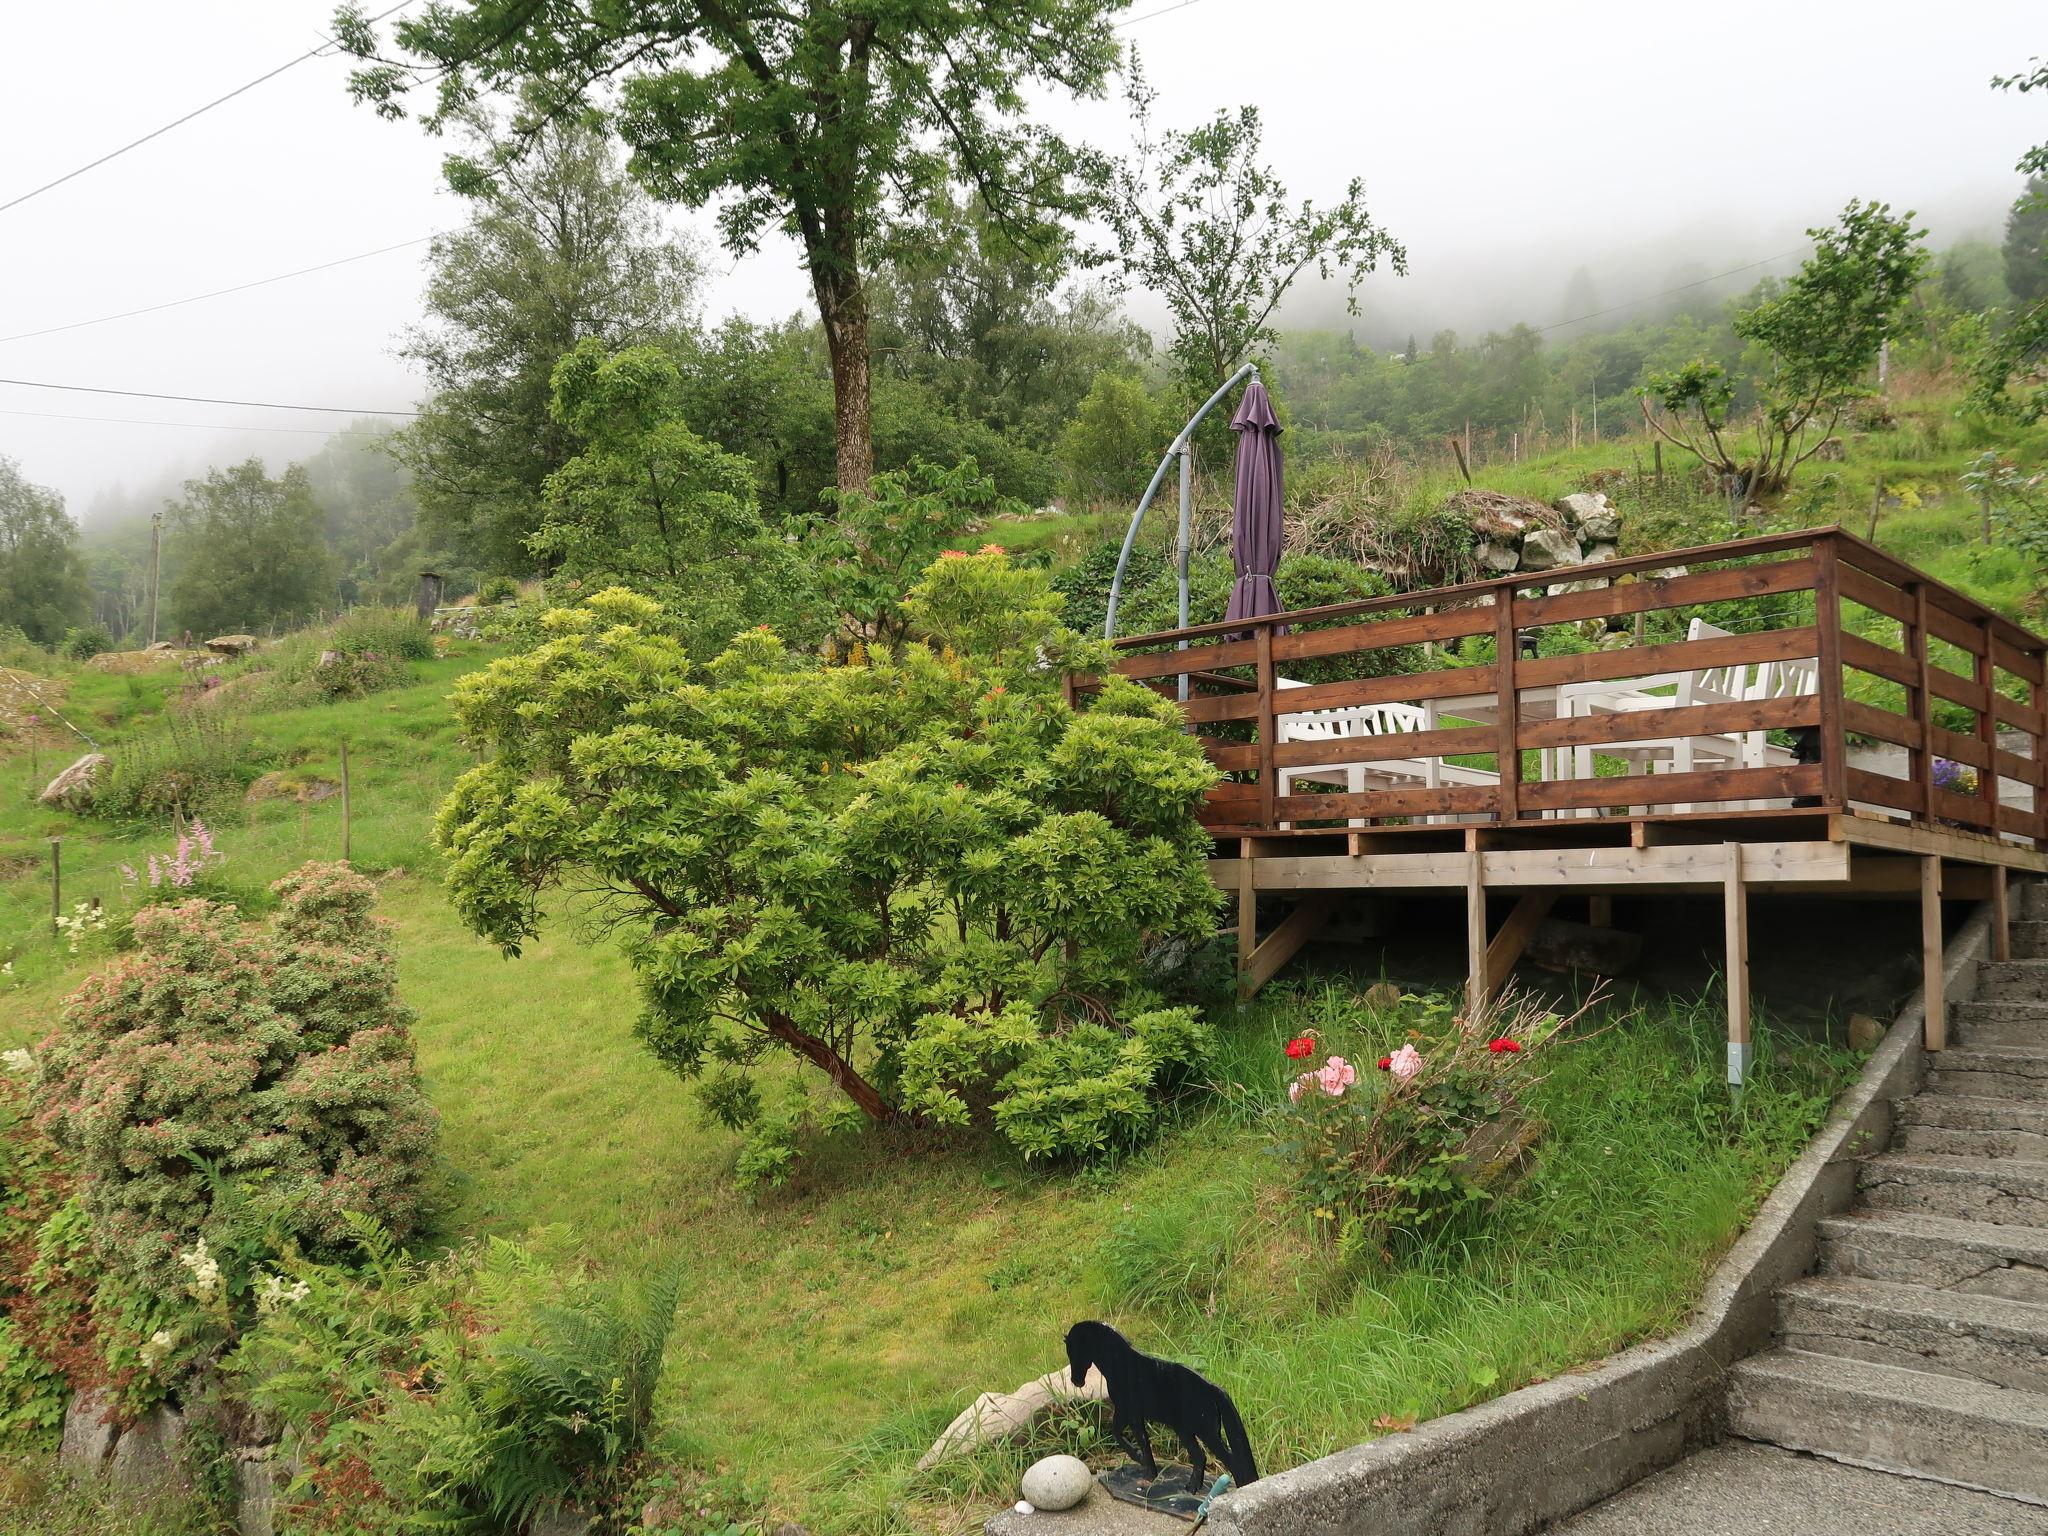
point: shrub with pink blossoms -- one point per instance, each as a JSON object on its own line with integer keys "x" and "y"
{"x": 193, "y": 855}
{"x": 278, "y": 1055}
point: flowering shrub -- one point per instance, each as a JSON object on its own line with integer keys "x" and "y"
{"x": 223, "y": 1078}
{"x": 180, "y": 869}
{"x": 1428, "y": 1135}
{"x": 928, "y": 877}
{"x": 84, "y": 918}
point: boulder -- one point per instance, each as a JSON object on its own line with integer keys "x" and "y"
{"x": 1591, "y": 515}
{"x": 995, "y": 1416}
{"x": 1559, "y": 945}
{"x": 1605, "y": 550}
{"x": 291, "y": 784}
{"x": 1498, "y": 516}
{"x": 145, "y": 1458}
{"x": 1864, "y": 1032}
{"x": 72, "y": 789}
{"x": 1382, "y": 997}
{"x": 258, "y": 1479}
{"x": 1545, "y": 549}
{"x": 1497, "y": 555}
{"x": 231, "y": 645}
{"x": 1057, "y": 1482}
{"x": 88, "y": 1437}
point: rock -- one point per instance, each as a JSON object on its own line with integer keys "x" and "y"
{"x": 1605, "y": 550}
{"x": 1058, "y": 1482}
{"x": 1618, "y": 640}
{"x": 88, "y": 1439}
{"x": 1832, "y": 449}
{"x": 257, "y": 1481}
{"x": 1382, "y": 997}
{"x": 329, "y": 659}
{"x": 1864, "y": 1032}
{"x": 1498, "y": 516}
{"x": 1590, "y": 514}
{"x": 231, "y": 645}
{"x": 569, "y": 1520}
{"x": 1545, "y": 549}
{"x": 1496, "y": 555}
{"x": 291, "y": 784}
{"x": 72, "y": 789}
{"x": 790, "y": 1528}
{"x": 997, "y": 1416}
{"x": 145, "y": 1458}
{"x": 1565, "y": 946}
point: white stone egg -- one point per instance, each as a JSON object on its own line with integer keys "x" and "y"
{"x": 1058, "y": 1482}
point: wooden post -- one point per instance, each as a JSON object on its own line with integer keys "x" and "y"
{"x": 1269, "y": 724}
{"x": 344, "y": 804}
{"x": 1247, "y": 917}
{"x": 1657, "y": 459}
{"x": 2001, "y": 916}
{"x": 1876, "y": 506}
{"x": 428, "y": 598}
{"x": 1475, "y": 931}
{"x": 56, "y": 881}
{"x": 1923, "y": 699}
{"x": 1507, "y": 746}
{"x": 1827, "y": 618}
{"x": 1987, "y": 729}
{"x": 1735, "y": 927}
{"x": 1934, "y": 1002}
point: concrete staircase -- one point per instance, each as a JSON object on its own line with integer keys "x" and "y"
{"x": 1921, "y": 1344}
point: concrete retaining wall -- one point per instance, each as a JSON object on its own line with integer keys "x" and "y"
{"x": 1546, "y": 1452}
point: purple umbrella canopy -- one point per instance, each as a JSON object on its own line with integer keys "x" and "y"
{"x": 1255, "y": 516}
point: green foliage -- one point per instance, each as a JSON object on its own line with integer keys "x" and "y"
{"x": 1818, "y": 337}
{"x": 250, "y": 551}
{"x": 497, "y": 589}
{"x": 364, "y": 652}
{"x": 83, "y": 642}
{"x": 649, "y": 504}
{"x": 468, "y": 1393}
{"x": 43, "y": 589}
{"x": 1199, "y": 222}
{"x": 830, "y": 861}
{"x": 1111, "y": 447}
{"x": 883, "y": 536}
{"x": 278, "y": 1056}
{"x": 44, "y": 1329}
{"x": 186, "y": 763}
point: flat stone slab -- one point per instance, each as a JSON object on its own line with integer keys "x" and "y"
{"x": 1096, "y": 1515}
{"x": 1740, "y": 1489}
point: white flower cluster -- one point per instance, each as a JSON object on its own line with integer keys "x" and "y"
{"x": 273, "y": 1292}
{"x": 19, "y": 1062}
{"x": 158, "y": 1348}
{"x": 7, "y": 973}
{"x": 85, "y": 916}
{"x": 205, "y": 1271}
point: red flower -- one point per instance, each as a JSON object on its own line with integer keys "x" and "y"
{"x": 1300, "y": 1046}
{"x": 1503, "y": 1044}
{"x": 1386, "y": 1063}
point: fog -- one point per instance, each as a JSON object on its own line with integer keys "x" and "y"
{"x": 1505, "y": 145}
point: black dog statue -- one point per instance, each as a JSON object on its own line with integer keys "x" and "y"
{"x": 1144, "y": 1388}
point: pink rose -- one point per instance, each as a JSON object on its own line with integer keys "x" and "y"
{"x": 1335, "y": 1075}
{"x": 1405, "y": 1063}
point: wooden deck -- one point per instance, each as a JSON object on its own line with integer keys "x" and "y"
{"x": 1895, "y": 658}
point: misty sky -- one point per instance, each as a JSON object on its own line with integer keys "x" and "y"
{"x": 1505, "y": 144}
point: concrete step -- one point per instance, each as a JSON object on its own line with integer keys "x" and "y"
{"x": 2029, "y": 937}
{"x": 2020, "y": 981}
{"x": 2030, "y": 900}
{"x": 2006, "y": 1191}
{"x": 1917, "y": 1422}
{"x": 1985, "y": 1031}
{"x": 1957, "y": 1125}
{"x": 1989, "y": 1073}
{"x": 1938, "y": 1252}
{"x": 1992, "y": 1339}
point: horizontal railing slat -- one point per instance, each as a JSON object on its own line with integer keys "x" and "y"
{"x": 1457, "y": 800}
{"x": 1885, "y": 724}
{"x": 1394, "y": 747}
{"x": 1614, "y": 601}
{"x": 1859, "y": 653}
{"x": 1776, "y": 783}
{"x": 1679, "y": 655}
{"x": 1783, "y": 714}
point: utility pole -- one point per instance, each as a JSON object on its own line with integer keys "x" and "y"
{"x": 156, "y": 557}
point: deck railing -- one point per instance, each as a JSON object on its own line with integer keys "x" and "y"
{"x": 1894, "y": 657}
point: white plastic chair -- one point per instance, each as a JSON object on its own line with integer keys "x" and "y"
{"x": 1370, "y": 720}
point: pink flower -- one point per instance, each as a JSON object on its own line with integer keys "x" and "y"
{"x": 1405, "y": 1063}
{"x": 1335, "y": 1075}
{"x": 952, "y": 554}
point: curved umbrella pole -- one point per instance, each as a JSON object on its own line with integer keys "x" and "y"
{"x": 1177, "y": 449}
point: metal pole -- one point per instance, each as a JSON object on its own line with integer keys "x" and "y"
{"x": 156, "y": 555}
{"x": 1178, "y": 446}
{"x": 1187, "y": 538}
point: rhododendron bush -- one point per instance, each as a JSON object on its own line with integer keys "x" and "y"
{"x": 922, "y": 874}
{"x": 1433, "y": 1130}
{"x": 271, "y": 1062}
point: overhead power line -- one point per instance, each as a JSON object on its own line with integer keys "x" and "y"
{"x": 204, "y": 426}
{"x": 150, "y": 309}
{"x": 1132, "y": 21}
{"x": 114, "y": 154}
{"x": 1681, "y": 288}
{"x": 261, "y": 405}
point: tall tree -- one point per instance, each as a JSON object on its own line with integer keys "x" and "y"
{"x": 1201, "y": 223}
{"x": 2008, "y": 381}
{"x": 828, "y": 119}
{"x": 250, "y": 550}
{"x": 42, "y": 577}
{"x": 559, "y": 247}
{"x": 2026, "y": 242}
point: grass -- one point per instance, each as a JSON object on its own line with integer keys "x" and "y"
{"x": 831, "y": 1329}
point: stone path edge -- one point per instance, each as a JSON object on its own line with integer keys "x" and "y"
{"x": 1546, "y": 1452}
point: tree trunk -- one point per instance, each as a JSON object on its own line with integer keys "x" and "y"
{"x": 843, "y": 307}
{"x": 835, "y": 1066}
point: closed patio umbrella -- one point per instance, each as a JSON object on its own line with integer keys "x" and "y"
{"x": 1255, "y": 518}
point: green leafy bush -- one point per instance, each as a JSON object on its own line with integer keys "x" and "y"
{"x": 224, "y": 1077}
{"x": 497, "y": 589}
{"x": 187, "y": 763}
{"x": 86, "y": 641}
{"x": 839, "y": 862}
{"x": 468, "y": 1393}
{"x": 364, "y": 652}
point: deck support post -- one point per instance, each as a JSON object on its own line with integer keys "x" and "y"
{"x": 2001, "y": 916}
{"x": 1475, "y": 931}
{"x": 1735, "y": 903}
{"x": 1933, "y": 999}
{"x": 1505, "y": 949}
{"x": 1247, "y": 914}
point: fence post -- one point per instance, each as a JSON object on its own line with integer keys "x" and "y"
{"x": 1933, "y": 996}
{"x": 344, "y": 804}
{"x": 56, "y": 882}
{"x": 1735, "y": 927}
{"x": 1507, "y": 749}
{"x": 1269, "y": 789}
{"x": 1923, "y": 699}
{"x": 1827, "y": 618}
{"x": 1987, "y": 727}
